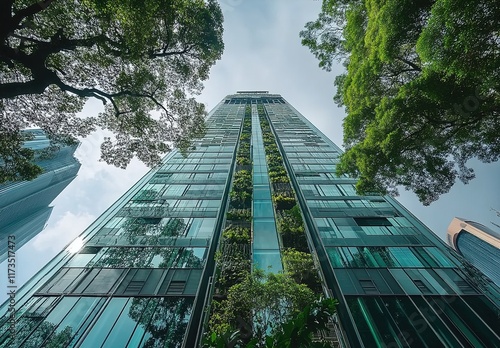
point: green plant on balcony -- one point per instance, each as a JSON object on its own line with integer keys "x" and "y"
{"x": 280, "y": 179}
{"x": 274, "y": 160}
{"x": 292, "y": 230}
{"x": 283, "y": 201}
{"x": 243, "y": 161}
{"x": 300, "y": 266}
{"x": 243, "y": 174}
{"x": 296, "y": 332}
{"x": 287, "y": 224}
{"x": 239, "y": 214}
{"x": 244, "y": 147}
{"x": 236, "y": 235}
{"x": 240, "y": 199}
{"x": 244, "y": 136}
{"x": 234, "y": 265}
{"x": 271, "y": 148}
{"x": 243, "y": 181}
{"x": 260, "y": 302}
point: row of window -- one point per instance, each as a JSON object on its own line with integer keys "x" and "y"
{"x": 123, "y": 282}
{"x": 361, "y": 226}
{"x": 101, "y": 322}
{"x": 146, "y": 257}
{"x": 195, "y": 167}
{"x": 328, "y": 190}
{"x": 341, "y": 204}
{"x": 152, "y": 192}
{"x": 185, "y": 227}
{"x": 320, "y": 153}
{"x": 391, "y": 257}
{"x": 409, "y": 281}
{"x": 200, "y": 161}
{"x": 425, "y": 321}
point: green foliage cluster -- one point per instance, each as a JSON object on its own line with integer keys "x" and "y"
{"x": 259, "y": 302}
{"x": 300, "y": 266}
{"x": 243, "y": 181}
{"x": 295, "y": 331}
{"x": 243, "y": 155}
{"x": 239, "y": 214}
{"x": 291, "y": 229}
{"x": 277, "y": 171}
{"x": 421, "y": 89}
{"x": 284, "y": 200}
{"x": 234, "y": 264}
{"x": 243, "y": 161}
{"x": 298, "y": 331}
{"x": 289, "y": 222}
{"x": 233, "y": 257}
{"x": 236, "y": 235}
{"x": 241, "y": 194}
{"x": 244, "y": 149}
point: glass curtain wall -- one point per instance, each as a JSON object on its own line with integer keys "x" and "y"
{"x": 398, "y": 284}
{"x": 138, "y": 276}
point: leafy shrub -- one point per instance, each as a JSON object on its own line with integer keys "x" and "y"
{"x": 300, "y": 266}
{"x": 239, "y": 214}
{"x": 240, "y": 199}
{"x": 283, "y": 201}
{"x": 237, "y": 235}
{"x": 243, "y": 161}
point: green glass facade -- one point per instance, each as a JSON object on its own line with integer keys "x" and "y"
{"x": 141, "y": 275}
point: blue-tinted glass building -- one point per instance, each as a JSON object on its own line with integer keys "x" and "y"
{"x": 142, "y": 274}
{"x": 479, "y": 244}
{"x": 24, "y": 205}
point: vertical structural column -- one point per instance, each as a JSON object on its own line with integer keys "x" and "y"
{"x": 265, "y": 246}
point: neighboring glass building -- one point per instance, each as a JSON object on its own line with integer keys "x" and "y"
{"x": 141, "y": 274}
{"x": 24, "y": 205}
{"x": 479, "y": 244}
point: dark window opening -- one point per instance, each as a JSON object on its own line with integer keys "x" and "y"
{"x": 368, "y": 286}
{"x": 176, "y": 286}
{"x": 90, "y": 250}
{"x": 422, "y": 287}
{"x": 372, "y": 221}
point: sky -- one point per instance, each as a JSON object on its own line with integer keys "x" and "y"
{"x": 262, "y": 52}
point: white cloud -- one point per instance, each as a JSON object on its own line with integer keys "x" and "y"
{"x": 55, "y": 237}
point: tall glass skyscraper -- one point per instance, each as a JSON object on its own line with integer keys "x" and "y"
{"x": 24, "y": 205}
{"x": 479, "y": 244}
{"x": 142, "y": 274}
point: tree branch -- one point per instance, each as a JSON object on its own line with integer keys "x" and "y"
{"x": 413, "y": 65}
{"x": 28, "y": 11}
{"x": 171, "y": 53}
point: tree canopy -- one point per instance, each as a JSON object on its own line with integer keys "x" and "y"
{"x": 144, "y": 60}
{"x": 421, "y": 89}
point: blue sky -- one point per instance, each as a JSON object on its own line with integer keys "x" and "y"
{"x": 262, "y": 52}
